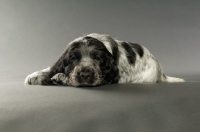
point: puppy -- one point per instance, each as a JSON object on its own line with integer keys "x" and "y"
{"x": 99, "y": 59}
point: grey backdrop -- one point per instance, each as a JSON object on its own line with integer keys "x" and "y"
{"x": 34, "y": 33}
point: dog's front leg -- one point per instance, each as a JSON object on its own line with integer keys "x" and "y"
{"x": 38, "y": 78}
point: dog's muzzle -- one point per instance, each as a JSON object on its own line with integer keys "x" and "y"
{"x": 86, "y": 76}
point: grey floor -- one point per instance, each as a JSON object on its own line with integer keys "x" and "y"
{"x": 161, "y": 107}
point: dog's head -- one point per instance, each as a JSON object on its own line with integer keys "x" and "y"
{"x": 87, "y": 62}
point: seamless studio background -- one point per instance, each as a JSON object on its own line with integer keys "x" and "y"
{"x": 34, "y": 33}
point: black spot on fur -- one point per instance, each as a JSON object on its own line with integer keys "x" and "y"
{"x": 115, "y": 52}
{"x": 130, "y": 54}
{"x": 138, "y": 48}
{"x": 87, "y": 37}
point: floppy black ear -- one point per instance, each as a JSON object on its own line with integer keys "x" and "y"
{"x": 110, "y": 71}
{"x": 58, "y": 67}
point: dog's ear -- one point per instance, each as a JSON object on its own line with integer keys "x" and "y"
{"x": 111, "y": 71}
{"x": 59, "y": 65}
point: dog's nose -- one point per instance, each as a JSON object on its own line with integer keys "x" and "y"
{"x": 85, "y": 75}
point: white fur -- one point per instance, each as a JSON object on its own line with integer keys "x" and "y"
{"x": 33, "y": 77}
{"x": 173, "y": 79}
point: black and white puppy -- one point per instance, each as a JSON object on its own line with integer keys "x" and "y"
{"x": 98, "y": 59}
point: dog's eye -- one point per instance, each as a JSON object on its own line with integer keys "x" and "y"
{"x": 75, "y": 58}
{"x": 97, "y": 58}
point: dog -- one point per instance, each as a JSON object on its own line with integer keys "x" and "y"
{"x": 99, "y": 59}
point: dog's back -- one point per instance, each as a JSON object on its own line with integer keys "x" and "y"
{"x": 136, "y": 64}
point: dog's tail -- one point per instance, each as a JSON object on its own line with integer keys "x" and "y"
{"x": 171, "y": 79}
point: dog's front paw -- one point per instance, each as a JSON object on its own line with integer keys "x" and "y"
{"x": 59, "y": 79}
{"x": 37, "y": 79}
